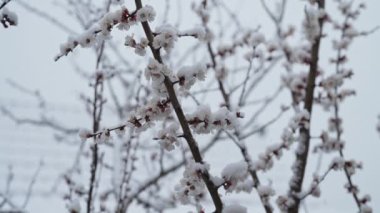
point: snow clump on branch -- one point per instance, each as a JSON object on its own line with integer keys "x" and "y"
{"x": 123, "y": 19}
{"x": 191, "y": 185}
{"x": 203, "y": 121}
{"x": 166, "y": 36}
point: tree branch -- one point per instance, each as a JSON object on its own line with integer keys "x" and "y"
{"x": 303, "y": 147}
{"x": 182, "y": 120}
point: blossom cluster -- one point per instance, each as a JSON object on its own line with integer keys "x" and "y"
{"x": 284, "y": 202}
{"x": 191, "y": 184}
{"x": 139, "y": 120}
{"x": 155, "y": 109}
{"x": 265, "y": 192}
{"x": 139, "y": 47}
{"x": 340, "y": 163}
{"x": 311, "y": 27}
{"x": 188, "y": 75}
{"x": 168, "y": 137}
{"x": 146, "y": 13}
{"x": 296, "y": 83}
{"x": 251, "y": 39}
{"x": 335, "y": 80}
{"x": 329, "y": 96}
{"x": 299, "y": 54}
{"x": 165, "y": 37}
{"x": 350, "y": 12}
{"x": 74, "y": 206}
{"x": 314, "y": 189}
{"x": 203, "y": 121}
{"x": 350, "y": 167}
{"x": 234, "y": 173}
{"x": 265, "y": 161}
{"x": 329, "y": 144}
{"x": 197, "y": 32}
{"x": 157, "y": 72}
{"x": 121, "y": 18}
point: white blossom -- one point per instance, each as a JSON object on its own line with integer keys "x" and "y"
{"x": 166, "y": 36}
{"x": 329, "y": 144}
{"x": 99, "y": 31}
{"x": 74, "y": 206}
{"x": 105, "y": 136}
{"x": 311, "y": 26}
{"x": 245, "y": 186}
{"x": 147, "y": 13}
{"x": 265, "y": 191}
{"x": 364, "y": 208}
{"x": 169, "y": 137}
{"x": 144, "y": 117}
{"x": 301, "y": 119}
{"x": 154, "y": 72}
{"x": 297, "y": 85}
{"x": 203, "y": 121}
{"x": 88, "y": 38}
{"x": 337, "y": 163}
{"x": 284, "y": 202}
{"x": 191, "y": 185}
{"x": 197, "y": 32}
{"x": 130, "y": 41}
{"x": 84, "y": 134}
{"x": 234, "y": 173}
{"x": 187, "y": 76}
{"x": 120, "y": 131}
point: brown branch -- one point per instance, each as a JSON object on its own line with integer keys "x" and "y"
{"x": 94, "y": 148}
{"x": 182, "y": 120}
{"x": 302, "y": 157}
{"x": 96, "y": 117}
{"x": 4, "y": 3}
